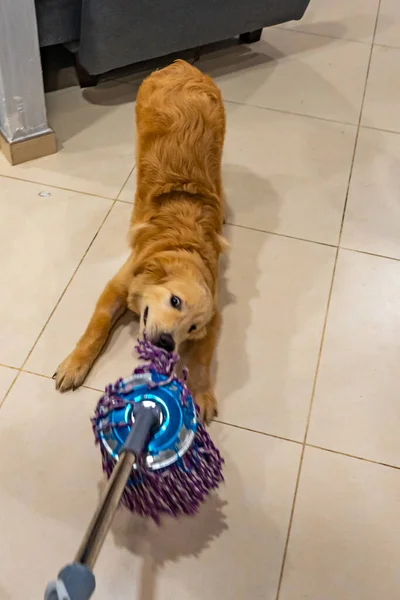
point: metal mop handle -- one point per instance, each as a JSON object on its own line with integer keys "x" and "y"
{"x": 76, "y": 581}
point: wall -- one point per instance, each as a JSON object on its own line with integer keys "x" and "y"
{"x": 22, "y": 103}
{"x": 4, "y": 123}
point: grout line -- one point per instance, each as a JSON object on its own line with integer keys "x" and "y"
{"x": 355, "y": 457}
{"x": 325, "y": 35}
{"x": 68, "y": 284}
{"x": 9, "y": 367}
{"x": 291, "y": 516}
{"x": 394, "y": 258}
{"x": 359, "y": 121}
{"x": 65, "y": 189}
{"x": 307, "y": 426}
{"x": 56, "y": 187}
{"x": 318, "y": 243}
{"x": 27, "y": 372}
{"x": 371, "y": 127}
{"x": 326, "y": 315}
{"x": 90, "y": 387}
{"x": 284, "y": 235}
{"x": 390, "y": 46}
{"x": 125, "y": 201}
{"x": 87, "y": 387}
{"x": 258, "y": 432}
{"x": 124, "y": 184}
{"x": 288, "y": 112}
{"x": 2, "y": 401}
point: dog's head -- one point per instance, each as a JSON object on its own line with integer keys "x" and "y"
{"x": 173, "y": 299}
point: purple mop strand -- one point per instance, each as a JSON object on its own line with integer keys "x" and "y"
{"x": 181, "y": 487}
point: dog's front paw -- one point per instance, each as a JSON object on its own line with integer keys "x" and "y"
{"x": 72, "y": 371}
{"x": 208, "y": 406}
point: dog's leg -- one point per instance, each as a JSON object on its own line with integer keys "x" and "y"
{"x": 199, "y": 356}
{"x": 111, "y": 305}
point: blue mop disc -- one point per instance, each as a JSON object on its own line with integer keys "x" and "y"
{"x": 180, "y": 465}
{"x": 177, "y": 428}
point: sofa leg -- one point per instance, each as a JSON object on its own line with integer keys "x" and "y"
{"x": 251, "y": 36}
{"x": 84, "y": 78}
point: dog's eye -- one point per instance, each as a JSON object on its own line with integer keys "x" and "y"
{"x": 192, "y": 328}
{"x": 176, "y": 302}
{"x": 145, "y": 315}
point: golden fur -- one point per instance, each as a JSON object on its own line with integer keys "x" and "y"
{"x": 175, "y": 232}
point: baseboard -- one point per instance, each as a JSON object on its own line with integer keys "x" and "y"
{"x": 24, "y": 150}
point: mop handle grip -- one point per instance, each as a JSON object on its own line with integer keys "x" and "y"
{"x": 75, "y": 582}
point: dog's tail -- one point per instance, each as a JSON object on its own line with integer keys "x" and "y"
{"x": 180, "y": 123}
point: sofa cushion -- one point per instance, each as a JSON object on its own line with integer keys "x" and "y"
{"x": 59, "y": 21}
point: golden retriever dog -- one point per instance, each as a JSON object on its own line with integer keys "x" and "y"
{"x": 170, "y": 277}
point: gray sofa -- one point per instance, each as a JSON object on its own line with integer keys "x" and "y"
{"x": 111, "y": 34}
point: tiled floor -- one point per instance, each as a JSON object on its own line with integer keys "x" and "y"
{"x": 310, "y": 345}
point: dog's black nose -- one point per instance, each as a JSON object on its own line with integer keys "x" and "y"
{"x": 165, "y": 341}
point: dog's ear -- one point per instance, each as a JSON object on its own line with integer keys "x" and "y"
{"x": 145, "y": 273}
{"x": 198, "y": 334}
{"x": 153, "y": 270}
{"x": 135, "y": 291}
{"x": 148, "y": 272}
{"x": 223, "y": 243}
{"x": 134, "y": 230}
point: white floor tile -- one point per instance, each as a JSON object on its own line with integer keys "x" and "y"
{"x": 344, "y": 538}
{"x": 353, "y": 20}
{"x": 382, "y": 96}
{"x": 294, "y": 72}
{"x": 274, "y": 296}
{"x": 286, "y": 174}
{"x": 373, "y": 210}
{"x": 44, "y": 233}
{"x": 355, "y": 407}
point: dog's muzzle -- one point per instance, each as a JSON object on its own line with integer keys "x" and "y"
{"x": 165, "y": 341}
